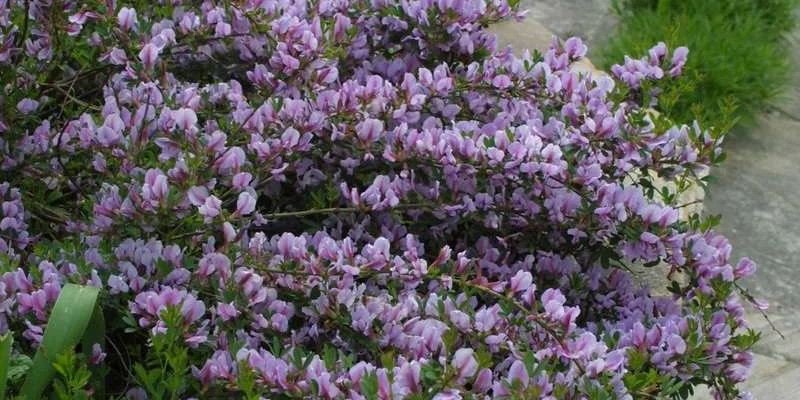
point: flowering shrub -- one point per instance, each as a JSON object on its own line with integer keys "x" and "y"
{"x": 353, "y": 199}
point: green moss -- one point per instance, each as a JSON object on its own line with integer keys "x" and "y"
{"x": 738, "y": 52}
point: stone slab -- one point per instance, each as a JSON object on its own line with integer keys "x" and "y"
{"x": 785, "y": 385}
{"x": 758, "y": 195}
{"x": 766, "y": 368}
{"x": 526, "y": 34}
{"x": 590, "y": 19}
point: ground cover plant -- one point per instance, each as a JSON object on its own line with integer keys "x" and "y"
{"x": 346, "y": 199}
{"x": 740, "y": 56}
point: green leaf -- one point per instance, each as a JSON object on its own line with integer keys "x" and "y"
{"x": 329, "y": 356}
{"x": 710, "y": 179}
{"x": 5, "y": 361}
{"x": 387, "y": 360}
{"x": 369, "y": 385}
{"x": 20, "y": 365}
{"x": 65, "y": 328}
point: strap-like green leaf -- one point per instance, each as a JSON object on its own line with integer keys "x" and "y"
{"x": 5, "y": 359}
{"x": 65, "y": 328}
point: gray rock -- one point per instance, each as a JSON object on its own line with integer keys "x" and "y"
{"x": 590, "y": 19}
{"x": 526, "y": 34}
{"x": 758, "y": 195}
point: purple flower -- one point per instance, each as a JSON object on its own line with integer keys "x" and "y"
{"x": 291, "y": 246}
{"x": 197, "y": 195}
{"x": 369, "y": 130}
{"x": 384, "y": 388}
{"x": 575, "y": 48}
{"x": 117, "y": 285}
{"x": 185, "y": 118}
{"x": 27, "y": 106}
{"x": 657, "y": 53}
{"x": 483, "y": 381}
{"x": 260, "y": 75}
{"x": 149, "y": 56}
{"x": 465, "y": 364}
{"x": 219, "y": 366}
{"x": 676, "y": 344}
{"x": 214, "y": 264}
{"x": 407, "y": 378}
{"x": 242, "y": 180}
{"x": 228, "y": 232}
{"x": 227, "y": 311}
{"x": 36, "y": 302}
{"x": 192, "y": 309}
{"x": 232, "y": 160}
{"x": 745, "y": 267}
{"x": 502, "y": 82}
{"x": 521, "y": 281}
{"x": 117, "y": 56}
{"x": 155, "y": 188}
{"x": 678, "y": 61}
{"x": 126, "y": 18}
{"x": 136, "y": 393}
{"x": 519, "y": 373}
{"x": 212, "y": 207}
{"x": 245, "y": 205}
{"x": 341, "y": 25}
{"x": 222, "y": 29}
{"x": 98, "y": 355}
{"x": 760, "y": 304}
{"x": 216, "y": 142}
{"x": 486, "y": 318}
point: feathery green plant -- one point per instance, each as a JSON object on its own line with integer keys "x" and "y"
{"x": 738, "y": 53}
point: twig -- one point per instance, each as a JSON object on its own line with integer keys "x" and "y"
{"x": 752, "y": 300}
{"x": 61, "y": 134}
{"x": 71, "y": 97}
{"x": 689, "y": 204}
{"x": 313, "y": 211}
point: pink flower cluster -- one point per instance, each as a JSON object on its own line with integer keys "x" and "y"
{"x": 356, "y": 199}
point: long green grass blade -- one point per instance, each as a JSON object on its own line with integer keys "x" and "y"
{"x": 65, "y": 328}
{"x": 5, "y": 360}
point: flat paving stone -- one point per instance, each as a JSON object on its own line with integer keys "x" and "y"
{"x": 766, "y": 368}
{"x": 783, "y": 386}
{"x": 758, "y": 195}
{"x": 590, "y": 19}
{"x": 526, "y": 34}
{"x": 785, "y": 349}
